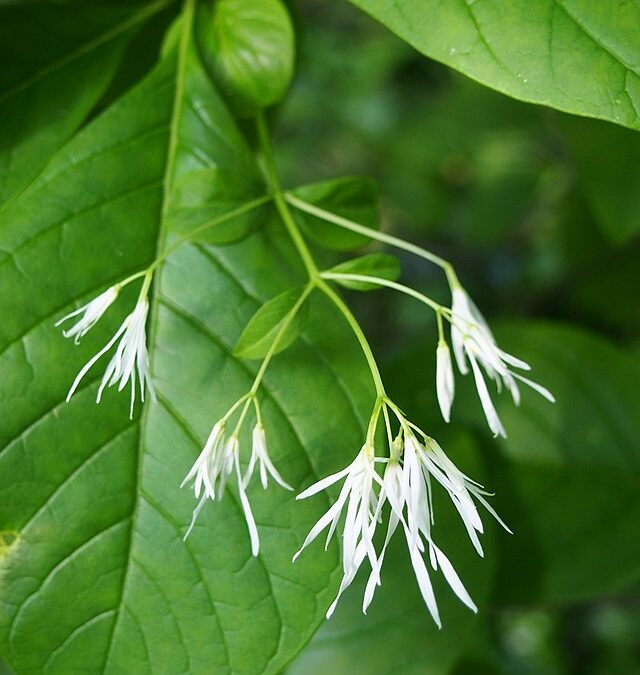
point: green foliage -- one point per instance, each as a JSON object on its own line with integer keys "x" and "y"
{"x": 607, "y": 159}
{"x": 536, "y": 52}
{"x": 272, "y": 322}
{"x": 47, "y": 92}
{"x": 355, "y": 198}
{"x": 99, "y": 535}
{"x": 252, "y": 49}
{"x": 576, "y": 483}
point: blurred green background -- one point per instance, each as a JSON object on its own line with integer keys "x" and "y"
{"x": 540, "y": 213}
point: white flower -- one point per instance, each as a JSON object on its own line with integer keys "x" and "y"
{"x": 212, "y": 469}
{"x": 445, "y": 383}
{"x": 472, "y": 338}
{"x": 131, "y": 359}
{"x": 259, "y": 454}
{"x": 407, "y": 487}
{"x": 362, "y": 513}
{"x": 461, "y": 489}
{"x": 91, "y": 313}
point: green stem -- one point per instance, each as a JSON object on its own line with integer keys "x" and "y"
{"x": 305, "y": 254}
{"x": 373, "y": 421}
{"x": 373, "y": 234}
{"x": 281, "y": 205}
{"x": 441, "y": 338}
{"x": 364, "y": 278}
{"x": 355, "y": 327}
{"x": 250, "y": 396}
{"x": 281, "y": 331}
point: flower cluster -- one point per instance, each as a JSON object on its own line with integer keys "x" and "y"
{"x": 220, "y": 458}
{"x": 398, "y": 486}
{"x": 406, "y": 486}
{"x": 473, "y": 343}
{"x": 131, "y": 359}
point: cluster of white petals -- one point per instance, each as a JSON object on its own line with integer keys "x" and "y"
{"x": 362, "y": 513}
{"x": 474, "y": 344}
{"x": 89, "y": 314}
{"x": 131, "y": 359}
{"x": 406, "y": 487}
{"x": 217, "y": 461}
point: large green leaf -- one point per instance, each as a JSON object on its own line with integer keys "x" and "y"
{"x": 578, "y": 56}
{"x": 94, "y": 574}
{"x": 47, "y": 92}
{"x": 574, "y": 471}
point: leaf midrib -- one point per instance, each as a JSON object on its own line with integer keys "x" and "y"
{"x": 187, "y": 20}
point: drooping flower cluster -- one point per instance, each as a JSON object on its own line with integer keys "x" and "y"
{"x": 362, "y": 514}
{"x": 406, "y": 487}
{"x": 398, "y": 487}
{"x": 218, "y": 460}
{"x": 473, "y": 343}
{"x": 131, "y": 359}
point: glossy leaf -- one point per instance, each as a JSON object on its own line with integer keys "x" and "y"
{"x": 268, "y": 324}
{"x": 95, "y": 575}
{"x": 380, "y": 265}
{"x": 252, "y": 51}
{"x": 534, "y": 51}
{"x": 355, "y": 198}
{"x": 46, "y": 93}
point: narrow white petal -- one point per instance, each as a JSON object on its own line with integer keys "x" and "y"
{"x": 322, "y": 523}
{"x": 445, "y": 382}
{"x": 543, "y": 391}
{"x": 487, "y": 404}
{"x": 90, "y": 363}
{"x": 512, "y": 360}
{"x": 492, "y": 511}
{"x": 194, "y": 517}
{"x": 323, "y": 483}
{"x": 248, "y": 515}
{"x": 454, "y": 580}
{"x": 424, "y": 583}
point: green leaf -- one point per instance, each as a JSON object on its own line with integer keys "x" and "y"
{"x": 352, "y": 197}
{"x": 375, "y": 264}
{"x": 398, "y": 635}
{"x": 58, "y": 62}
{"x": 534, "y": 51}
{"x": 574, "y": 469}
{"x": 95, "y": 575}
{"x": 607, "y": 158}
{"x": 268, "y": 323}
{"x": 252, "y": 50}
